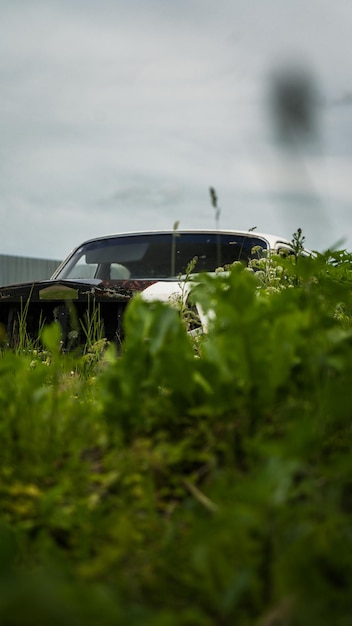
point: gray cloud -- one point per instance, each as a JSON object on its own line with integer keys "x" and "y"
{"x": 116, "y": 116}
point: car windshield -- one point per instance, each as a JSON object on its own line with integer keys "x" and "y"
{"x": 159, "y": 255}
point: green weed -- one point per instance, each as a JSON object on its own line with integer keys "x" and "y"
{"x": 168, "y": 486}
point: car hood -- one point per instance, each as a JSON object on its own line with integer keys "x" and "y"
{"x": 73, "y": 289}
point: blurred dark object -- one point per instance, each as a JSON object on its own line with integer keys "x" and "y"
{"x": 293, "y": 104}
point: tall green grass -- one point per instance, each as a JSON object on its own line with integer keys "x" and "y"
{"x": 171, "y": 486}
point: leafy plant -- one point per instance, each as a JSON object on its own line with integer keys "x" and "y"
{"x": 168, "y": 486}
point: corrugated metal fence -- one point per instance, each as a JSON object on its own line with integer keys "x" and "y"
{"x": 19, "y": 269}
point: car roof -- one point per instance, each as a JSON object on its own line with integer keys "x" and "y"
{"x": 272, "y": 240}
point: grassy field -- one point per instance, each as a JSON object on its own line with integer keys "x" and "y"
{"x": 187, "y": 482}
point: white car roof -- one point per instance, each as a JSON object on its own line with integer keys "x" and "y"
{"x": 273, "y": 240}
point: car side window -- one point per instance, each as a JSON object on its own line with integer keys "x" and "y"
{"x": 285, "y": 250}
{"x": 119, "y": 272}
{"x": 83, "y": 270}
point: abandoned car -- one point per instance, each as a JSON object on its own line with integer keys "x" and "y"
{"x": 104, "y": 273}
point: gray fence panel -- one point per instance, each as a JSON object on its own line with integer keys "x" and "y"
{"x": 17, "y": 269}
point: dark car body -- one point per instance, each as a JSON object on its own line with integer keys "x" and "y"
{"x": 106, "y": 272}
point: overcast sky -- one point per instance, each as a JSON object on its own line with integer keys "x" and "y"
{"x": 118, "y": 115}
